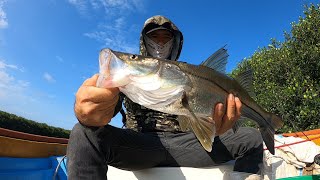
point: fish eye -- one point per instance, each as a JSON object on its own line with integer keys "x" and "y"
{"x": 133, "y": 57}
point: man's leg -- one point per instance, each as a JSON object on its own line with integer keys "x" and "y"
{"x": 84, "y": 156}
{"x": 244, "y": 146}
{"x": 90, "y": 150}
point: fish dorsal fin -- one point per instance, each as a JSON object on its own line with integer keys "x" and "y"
{"x": 245, "y": 79}
{"x": 217, "y": 60}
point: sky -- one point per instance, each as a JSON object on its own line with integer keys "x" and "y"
{"x": 48, "y": 48}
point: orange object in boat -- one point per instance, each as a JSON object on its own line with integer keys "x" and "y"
{"x": 312, "y": 135}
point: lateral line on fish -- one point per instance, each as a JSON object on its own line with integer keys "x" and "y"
{"x": 205, "y": 78}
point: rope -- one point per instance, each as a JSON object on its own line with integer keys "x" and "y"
{"x": 284, "y": 145}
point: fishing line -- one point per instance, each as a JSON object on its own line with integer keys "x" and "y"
{"x": 295, "y": 127}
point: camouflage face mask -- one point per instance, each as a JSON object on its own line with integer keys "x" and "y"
{"x": 156, "y": 50}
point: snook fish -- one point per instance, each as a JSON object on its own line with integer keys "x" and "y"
{"x": 189, "y": 91}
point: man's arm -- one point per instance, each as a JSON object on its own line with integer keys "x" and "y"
{"x": 95, "y": 106}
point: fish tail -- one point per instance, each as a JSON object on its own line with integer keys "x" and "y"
{"x": 268, "y": 138}
{"x": 268, "y": 124}
{"x": 268, "y": 133}
{"x": 276, "y": 121}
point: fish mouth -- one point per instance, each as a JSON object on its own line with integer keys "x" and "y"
{"x": 113, "y": 71}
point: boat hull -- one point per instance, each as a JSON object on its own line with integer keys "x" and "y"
{"x": 24, "y": 145}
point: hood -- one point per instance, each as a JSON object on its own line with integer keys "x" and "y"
{"x": 158, "y": 21}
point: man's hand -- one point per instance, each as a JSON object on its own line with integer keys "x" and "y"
{"x": 225, "y": 120}
{"x": 95, "y": 106}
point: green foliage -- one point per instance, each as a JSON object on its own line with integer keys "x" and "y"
{"x": 287, "y": 74}
{"x": 13, "y": 122}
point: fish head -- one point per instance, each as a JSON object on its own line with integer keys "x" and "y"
{"x": 117, "y": 67}
{"x": 152, "y": 82}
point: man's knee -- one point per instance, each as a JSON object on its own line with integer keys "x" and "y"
{"x": 80, "y": 131}
{"x": 85, "y": 141}
{"x": 80, "y": 137}
{"x": 255, "y": 137}
{"x": 77, "y": 129}
{"x": 250, "y": 141}
{"x": 77, "y": 134}
{"x": 83, "y": 136}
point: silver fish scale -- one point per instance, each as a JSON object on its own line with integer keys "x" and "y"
{"x": 203, "y": 103}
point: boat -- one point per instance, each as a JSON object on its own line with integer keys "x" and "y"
{"x": 26, "y": 156}
{"x": 24, "y": 145}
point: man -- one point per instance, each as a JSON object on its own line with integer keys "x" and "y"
{"x": 152, "y": 138}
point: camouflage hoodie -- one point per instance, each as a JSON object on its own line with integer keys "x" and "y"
{"x": 140, "y": 118}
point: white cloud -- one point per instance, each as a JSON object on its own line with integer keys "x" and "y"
{"x": 11, "y": 89}
{"x": 95, "y": 4}
{"x": 81, "y": 5}
{"x": 5, "y": 78}
{"x": 23, "y": 84}
{"x": 114, "y": 32}
{"x": 48, "y": 77}
{"x": 3, "y": 15}
{"x": 18, "y": 97}
{"x": 116, "y": 35}
{"x": 3, "y": 65}
{"x": 59, "y": 59}
{"x": 110, "y": 7}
